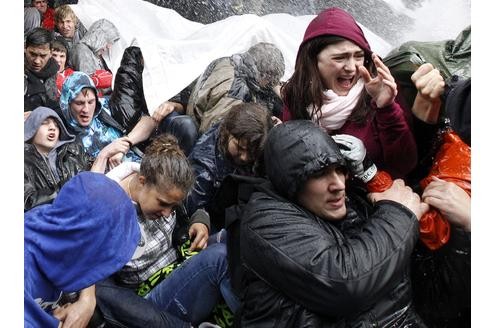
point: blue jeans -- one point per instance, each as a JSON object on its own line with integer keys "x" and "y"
{"x": 193, "y": 289}
{"x": 122, "y": 307}
{"x": 187, "y": 295}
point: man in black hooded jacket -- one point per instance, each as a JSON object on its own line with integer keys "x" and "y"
{"x": 318, "y": 254}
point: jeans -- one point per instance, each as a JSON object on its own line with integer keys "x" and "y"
{"x": 187, "y": 295}
{"x": 193, "y": 289}
{"x": 122, "y": 307}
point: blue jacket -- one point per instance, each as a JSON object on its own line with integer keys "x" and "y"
{"x": 103, "y": 129}
{"x": 89, "y": 232}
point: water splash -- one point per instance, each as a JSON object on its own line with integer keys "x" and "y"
{"x": 435, "y": 20}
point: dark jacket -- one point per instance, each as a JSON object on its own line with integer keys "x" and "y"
{"x": 40, "y": 88}
{"x": 210, "y": 167}
{"x": 127, "y": 103}
{"x": 303, "y": 271}
{"x": 45, "y": 175}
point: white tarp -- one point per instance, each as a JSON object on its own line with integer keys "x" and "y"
{"x": 177, "y": 50}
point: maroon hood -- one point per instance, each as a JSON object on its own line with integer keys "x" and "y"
{"x": 335, "y": 21}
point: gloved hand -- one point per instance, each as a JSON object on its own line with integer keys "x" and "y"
{"x": 354, "y": 153}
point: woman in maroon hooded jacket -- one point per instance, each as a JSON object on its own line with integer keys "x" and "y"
{"x": 345, "y": 88}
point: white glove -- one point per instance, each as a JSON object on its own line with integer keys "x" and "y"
{"x": 354, "y": 152}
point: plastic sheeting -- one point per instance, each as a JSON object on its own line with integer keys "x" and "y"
{"x": 177, "y": 50}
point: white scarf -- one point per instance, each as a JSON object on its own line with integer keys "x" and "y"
{"x": 336, "y": 109}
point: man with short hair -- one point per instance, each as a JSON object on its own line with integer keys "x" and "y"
{"x": 40, "y": 71}
{"x": 68, "y": 26}
{"x": 315, "y": 251}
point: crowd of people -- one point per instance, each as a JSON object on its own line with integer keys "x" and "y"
{"x": 328, "y": 223}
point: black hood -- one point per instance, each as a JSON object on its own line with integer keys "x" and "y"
{"x": 296, "y": 150}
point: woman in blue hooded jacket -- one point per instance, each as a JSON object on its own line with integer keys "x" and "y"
{"x": 63, "y": 243}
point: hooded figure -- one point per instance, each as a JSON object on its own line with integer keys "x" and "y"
{"x": 44, "y": 175}
{"x": 241, "y": 78}
{"x": 32, "y": 19}
{"x": 86, "y": 54}
{"x": 328, "y": 87}
{"x": 349, "y": 270}
{"x": 102, "y": 130}
{"x": 89, "y": 232}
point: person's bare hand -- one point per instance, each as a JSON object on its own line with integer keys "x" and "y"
{"x": 163, "y": 111}
{"x": 115, "y": 160}
{"x": 75, "y": 315}
{"x": 116, "y": 150}
{"x": 451, "y": 200}
{"x": 276, "y": 120}
{"x": 382, "y": 88}
{"x": 429, "y": 82}
{"x": 198, "y": 232}
{"x": 404, "y": 195}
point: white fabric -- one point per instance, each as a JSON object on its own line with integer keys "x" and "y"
{"x": 177, "y": 50}
{"x": 336, "y": 109}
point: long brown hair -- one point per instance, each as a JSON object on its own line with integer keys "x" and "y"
{"x": 305, "y": 86}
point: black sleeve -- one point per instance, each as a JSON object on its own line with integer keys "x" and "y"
{"x": 320, "y": 268}
{"x": 127, "y": 103}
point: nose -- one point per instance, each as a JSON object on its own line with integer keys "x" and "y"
{"x": 85, "y": 108}
{"x": 350, "y": 64}
{"x": 336, "y": 181}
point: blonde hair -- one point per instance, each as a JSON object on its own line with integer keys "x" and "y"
{"x": 64, "y": 11}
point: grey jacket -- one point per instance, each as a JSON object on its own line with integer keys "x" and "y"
{"x": 84, "y": 54}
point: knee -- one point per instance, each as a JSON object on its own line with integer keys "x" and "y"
{"x": 216, "y": 254}
{"x": 185, "y": 130}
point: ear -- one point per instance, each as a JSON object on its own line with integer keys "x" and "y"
{"x": 142, "y": 180}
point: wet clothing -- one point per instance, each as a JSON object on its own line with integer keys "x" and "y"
{"x": 388, "y": 139}
{"x": 84, "y": 54}
{"x": 226, "y": 82}
{"x": 385, "y": 132}
{"x": 102, "y": 130}
{"x": 210, "y": 167}
{"x": 63, "y": 243}
{"x": 302, "y": 270}
{"x": 45, "y": 175}
{"x": 32, "y": 19}
{"x": 40, "y": 88}
{"x": 128, "y": 104}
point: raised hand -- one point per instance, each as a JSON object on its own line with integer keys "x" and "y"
{"x": 431, "y": 86}
{"x": 382, "y": 88}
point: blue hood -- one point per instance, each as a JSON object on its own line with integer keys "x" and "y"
{"x": 71, "y": 88}
{"x": 89, "y": 232}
